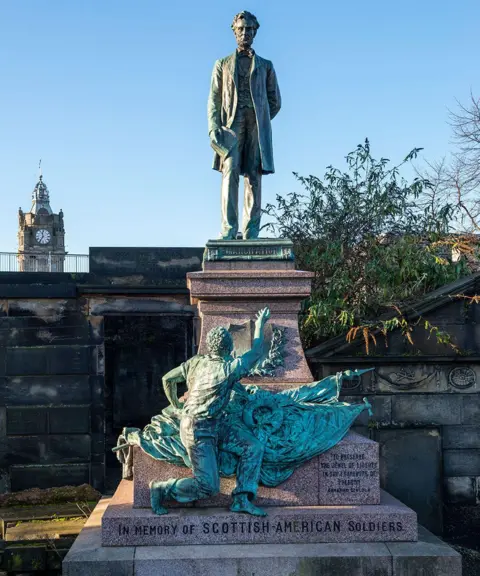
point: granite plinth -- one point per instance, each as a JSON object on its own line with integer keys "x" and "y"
{"x": 250, "y": 284}
{"x": 295, "y": 370}
{"x": 301, "y": 489}
{"x": 232, "y": 299}
{"x": 249, "y": 265}
{"x": 241, "y": 277}
{"x": 124, "y": 525}
{"x": 347, "y": 474}
{"x": 429, "y": 555}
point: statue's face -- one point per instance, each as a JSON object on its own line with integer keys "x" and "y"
{"x": 244, "y": 31}
{"x": 226, "y": 347}
{"x": 227, "y": 351}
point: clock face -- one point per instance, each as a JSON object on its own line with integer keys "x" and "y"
{"x": 43, "y": 236}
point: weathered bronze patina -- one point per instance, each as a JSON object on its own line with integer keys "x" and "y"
{"x": 244, "y": 98}
{"x": 210, "y": 380}
{"x": 224, "y": 428}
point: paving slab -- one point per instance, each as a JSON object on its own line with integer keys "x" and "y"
{"x": 87, "y": 557}
{"x": 266, "y": 560}
{"x": 124, "y": 525}
{"x": 45, "y": 529}
{"x": 430, "y": 556}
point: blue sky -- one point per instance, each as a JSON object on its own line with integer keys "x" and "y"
{"x": 111, "y": 94}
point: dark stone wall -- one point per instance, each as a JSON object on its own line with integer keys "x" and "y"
{"x": 161, "y": 267}
{"x": 426, "y": 415}
{"x": 139, "y": 350}
{"x": 81, "y": 356}
{"x": 74, "y": 349}
{"x": 70, "y": 380}
{"x": 49, "y": 364}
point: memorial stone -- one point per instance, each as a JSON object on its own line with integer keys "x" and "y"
{"x": 123, "y": 525}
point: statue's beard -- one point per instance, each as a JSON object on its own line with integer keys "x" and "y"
{"x": 244, "y": 44}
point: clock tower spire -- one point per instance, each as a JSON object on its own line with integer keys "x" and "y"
{"x": 41, "y": 234}
{"x": 41, "y": 198}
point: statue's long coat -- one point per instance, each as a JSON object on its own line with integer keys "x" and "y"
{"x": 222, "y": 102}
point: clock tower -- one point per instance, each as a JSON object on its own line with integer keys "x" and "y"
{"x": 41, "y": 234}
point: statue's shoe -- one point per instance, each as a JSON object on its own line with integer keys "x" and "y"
{"x": 243, "y": 505}
{"x": 158, "y": 494}
{"x": 228, "y": 236}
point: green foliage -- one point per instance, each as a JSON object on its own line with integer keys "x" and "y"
{"x": 372, "y": 241}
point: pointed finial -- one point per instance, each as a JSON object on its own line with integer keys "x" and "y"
{"x": 40, "y": 169}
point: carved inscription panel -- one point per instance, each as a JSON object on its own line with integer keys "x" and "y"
{"x": 349, "y": 476}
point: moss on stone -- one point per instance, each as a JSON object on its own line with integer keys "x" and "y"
{"x": 63, "y": 494}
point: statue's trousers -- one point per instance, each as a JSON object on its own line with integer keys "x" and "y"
{"x": 200, "y": 438}
{"x": 239, "y": 440}
{"x": 244, "y": 158}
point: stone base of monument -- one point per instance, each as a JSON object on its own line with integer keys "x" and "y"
{"x": 328, "y": 518}
{"x": 124, "y": 525}
{"x": 347, "y": 474}
{"x": 428, "y": 555}
{"x": 334, "y": 497}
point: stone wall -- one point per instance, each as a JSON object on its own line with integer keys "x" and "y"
{"x": 50, "y": 367}
{"x": 426, "y": 414}
{"x": 63, "y": 378}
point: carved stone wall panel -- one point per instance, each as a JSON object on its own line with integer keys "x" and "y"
{"x": 409, "y": 378}
{"x": 463, "y": 378}
{"x": 421, "y": 378}
{"x": 405, "y": 377}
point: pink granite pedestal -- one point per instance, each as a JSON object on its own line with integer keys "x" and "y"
{"x": 123, "y": 525}
{"x": 347, "y": 474}
{"x": 230, "y": 292}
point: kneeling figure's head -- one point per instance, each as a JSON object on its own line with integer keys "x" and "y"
{"x": 219, "y": 342}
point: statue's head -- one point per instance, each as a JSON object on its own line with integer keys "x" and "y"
{"x": 245, "y": 26}
{"x": 219, "y": 342}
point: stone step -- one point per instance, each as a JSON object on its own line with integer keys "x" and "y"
{"x": 123, "y": 525}
{"x": 346, "y": 474}
{"x": 45, "y": 529}
{"x": 429, "y": 555}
